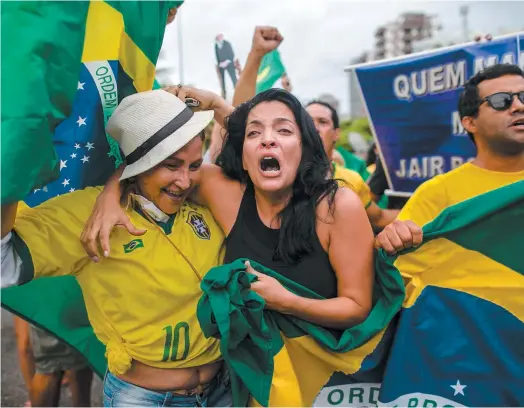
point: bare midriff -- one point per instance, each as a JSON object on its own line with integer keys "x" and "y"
{"x": 170, "y": 379}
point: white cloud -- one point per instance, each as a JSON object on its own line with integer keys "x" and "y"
{"x": 321, "y": 37}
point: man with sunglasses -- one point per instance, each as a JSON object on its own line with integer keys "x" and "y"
{"x": 491, "y": 108}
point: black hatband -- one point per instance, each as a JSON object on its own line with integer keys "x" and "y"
{"x": 180, "y": 120}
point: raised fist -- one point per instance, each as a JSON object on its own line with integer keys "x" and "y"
{"x": 265, "y": 39}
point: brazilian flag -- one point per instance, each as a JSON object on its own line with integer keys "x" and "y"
{"x": 281, "y": 360}
{"x": 459, "y": 340}
{"x": 66, "y": 66}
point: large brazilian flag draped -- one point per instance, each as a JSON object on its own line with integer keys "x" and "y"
{"x": 281, "y": 360}
{"x": 460, "y": 336}
{"x": 65, "y": 67}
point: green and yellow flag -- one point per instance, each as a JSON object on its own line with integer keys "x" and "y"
{"x": 41, "y": 51}
{"x": 65, "y": 67}
{"x": 459, "y": 340}
{"x": 271, "y": 69}
{"x": 281, "y": 360}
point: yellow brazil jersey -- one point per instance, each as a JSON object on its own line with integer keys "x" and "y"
{"x": 354, "y": 181}
{"x": 142, "y": 299}
{"x": 447, "y": 189}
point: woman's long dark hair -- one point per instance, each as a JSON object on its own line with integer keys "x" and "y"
{"x": 311, "y": 185}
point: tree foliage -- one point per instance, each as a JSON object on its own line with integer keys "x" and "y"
{"x": 360, "y": 125}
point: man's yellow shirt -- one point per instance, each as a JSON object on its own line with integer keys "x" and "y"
{"x": 142, "y": 299}
{"x": 451, "y": 188}
{"x": 354, "y": 181}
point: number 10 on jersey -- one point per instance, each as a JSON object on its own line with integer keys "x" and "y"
{"x": 173, "y": 337}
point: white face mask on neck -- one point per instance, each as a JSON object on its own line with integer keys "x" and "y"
{"x": 151, "y": 209}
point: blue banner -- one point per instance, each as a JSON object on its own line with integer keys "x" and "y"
{"x": 412, "y": 104}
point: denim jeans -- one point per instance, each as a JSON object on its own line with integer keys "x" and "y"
{"x": 119, "y": 393}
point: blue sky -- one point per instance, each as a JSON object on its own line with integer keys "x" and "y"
{"x": 320, "y": 37}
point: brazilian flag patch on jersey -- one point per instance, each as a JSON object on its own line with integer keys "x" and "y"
{"x": 134, "y": 244}
{"x": 199, "y": 225}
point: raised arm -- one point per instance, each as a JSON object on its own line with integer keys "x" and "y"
{"x": 208, "y": 101}
{"x": 217, "y": 139}
{"x": 265, "y": 40}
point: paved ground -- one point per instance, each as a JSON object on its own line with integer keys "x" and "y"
{"x": 13, "y": 392}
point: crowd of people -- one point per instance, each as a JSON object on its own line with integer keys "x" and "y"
{"x": 268, "y": 189}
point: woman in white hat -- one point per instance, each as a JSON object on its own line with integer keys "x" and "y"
{"x": 142, "y": 300}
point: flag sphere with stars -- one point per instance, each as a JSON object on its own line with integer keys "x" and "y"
{"x": 81, "y": 142}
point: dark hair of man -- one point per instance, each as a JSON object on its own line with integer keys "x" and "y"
{"x": 298, "y": 218}
{"x": 469, "y": 100}
{"x": 334, "y": 114}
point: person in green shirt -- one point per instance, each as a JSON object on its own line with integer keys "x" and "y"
{"x": 353, "y": 162}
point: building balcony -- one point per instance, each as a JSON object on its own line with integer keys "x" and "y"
{"x": 380, "y": 31}
{"x": 380, "y": 54}
{"x": 407, "y": 49}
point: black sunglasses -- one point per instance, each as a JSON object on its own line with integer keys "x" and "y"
{"x": 502, "y": 101}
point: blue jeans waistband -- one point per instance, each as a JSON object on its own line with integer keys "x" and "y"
{"x": 118, "y": 392}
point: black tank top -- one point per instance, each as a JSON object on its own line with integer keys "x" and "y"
{"x": 250, "y": 238}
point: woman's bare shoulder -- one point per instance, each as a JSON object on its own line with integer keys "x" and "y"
{"x": 220, "y": 194}
{"x": 212, "y": 180}
{"x": 343, "y": 205}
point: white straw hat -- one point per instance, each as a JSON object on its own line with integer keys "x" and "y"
{"x": 151, "y": 126}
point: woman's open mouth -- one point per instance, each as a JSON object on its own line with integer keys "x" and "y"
{"x": 270, "y": 166}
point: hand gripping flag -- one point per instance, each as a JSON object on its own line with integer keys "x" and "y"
{"x": 103, "y": 51}
{"x": 280, "y": 360}
{"x": 460, "y": 336}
